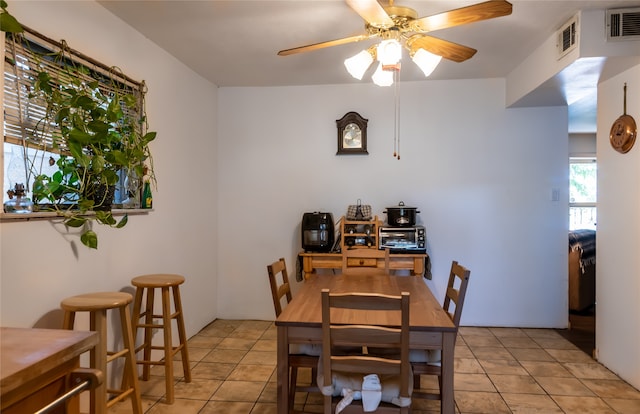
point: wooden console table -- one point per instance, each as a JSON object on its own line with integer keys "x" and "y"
{"x": 36, "y": 364}
{"x": 415, "y": 263}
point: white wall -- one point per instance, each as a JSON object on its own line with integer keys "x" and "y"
{"x": 618, "y": 281}
{"x": 41, "y": 264}
{"x": 481, "y": 176}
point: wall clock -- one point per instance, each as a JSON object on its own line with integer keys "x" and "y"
{"x": 352, "y": 134}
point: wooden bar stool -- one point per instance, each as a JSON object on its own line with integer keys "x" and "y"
{"x": 165, "y": 282}
{"x": 97, "y": 305}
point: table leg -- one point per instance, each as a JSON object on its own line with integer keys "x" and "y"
{"x": 283, "y": 371}
{"x": 447, "y": 405}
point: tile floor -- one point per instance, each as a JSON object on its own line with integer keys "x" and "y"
{"x": 498, "y": 370}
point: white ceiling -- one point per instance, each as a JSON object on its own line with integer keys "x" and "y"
{"x": 235, "y": 43}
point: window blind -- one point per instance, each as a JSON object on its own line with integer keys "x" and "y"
{"x": 27, "y": 54}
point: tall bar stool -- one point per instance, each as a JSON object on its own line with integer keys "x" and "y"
{"x": 97, "y": 305}
{"x": 164, "y": 282}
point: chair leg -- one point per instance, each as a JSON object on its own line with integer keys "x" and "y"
{"x": 292, "y": 388}
{"x": 182, "y": 335}
{"x": 168, "y": 344}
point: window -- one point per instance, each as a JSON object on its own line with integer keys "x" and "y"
{"x": 582, "y": 193}
{"x": 29, "y": 146}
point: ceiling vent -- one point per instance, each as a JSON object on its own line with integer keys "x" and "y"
{"x": 568, "y": 37}
{"x": 623, "y": 24}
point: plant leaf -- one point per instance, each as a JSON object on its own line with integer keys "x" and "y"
{"x": 123, "y": 221}
{"x": 9, "y": 24}
{"x": 75, "y": 221}
{"x": 90, "y": 239}
{"x": 105, "y": 217}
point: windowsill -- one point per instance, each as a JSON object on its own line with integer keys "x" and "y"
{"x": 49, "y": 215}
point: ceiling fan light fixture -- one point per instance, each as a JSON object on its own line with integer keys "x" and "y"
{"x": 382, "y": 77}
{"x": 389, "y": 52}
{"x": 426, "y": 61}
{"x": 358, "y": 64}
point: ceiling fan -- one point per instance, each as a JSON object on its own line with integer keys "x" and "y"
{"x": 403, "y": 24}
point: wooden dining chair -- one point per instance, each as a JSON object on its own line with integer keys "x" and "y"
{"x": 365, "y": 260}
{"x": 299, "y": 356}
{"x": 428, "y": 362}
{"x": 340, "y": 371}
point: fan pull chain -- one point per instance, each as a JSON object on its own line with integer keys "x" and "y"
{"x": 396, "y": 140}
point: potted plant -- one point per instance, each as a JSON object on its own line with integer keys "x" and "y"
{"x": 101, "y": 137}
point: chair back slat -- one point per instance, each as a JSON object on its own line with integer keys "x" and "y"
{"x": 340, "y": 334}
{"x": 458, "y": 276}
{"x": 278, "y": 291}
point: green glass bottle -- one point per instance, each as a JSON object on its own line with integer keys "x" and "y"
{"x": 147, "y": 198}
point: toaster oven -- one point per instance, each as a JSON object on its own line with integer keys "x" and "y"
{"x": 403, "y": 239}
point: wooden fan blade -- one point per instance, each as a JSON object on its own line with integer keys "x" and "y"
{"x": 463, "y": 15}
{"x": 444, "y": 48}
{"x": 322, "y": 45}
{"x": 372, "y": 12}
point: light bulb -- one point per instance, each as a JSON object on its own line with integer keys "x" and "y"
{"x": 357, "y": 65}
{"x": 382, "y": 77}
{"x": 389, "y": 52}
{"x": 426, "y": 61}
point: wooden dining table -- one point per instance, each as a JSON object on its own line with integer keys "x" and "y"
{"x": 430, "y": 326}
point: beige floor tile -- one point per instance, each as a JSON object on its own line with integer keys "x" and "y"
{"x": 508, "y": 332}
{"x": 271, "y": 333}
{"x": 589, "y": 371}
{"x": 492, "y": 352}
{"x": 530, "y": 354}
{"x": 265, "y": 345}
{"x": 502, "y": 366}
{"x": 216, "y": 330}
{"x": 254, "y": 373}
{"x": 268, "y": 394}
{"x": 516, "y": 384}
{"x": 555, "y": 343}
{"x": 475, "y": 331}
{"x": 612, "y": 388}
{"x": 197, "y": 389}
{"x": 622, "y": 406}
{"x": 236, "y": 343}
{"x": 260, "y": 358}
{"x": 481, "y": 402}
{"x": 202, "y": 341}
{"x": 154, "y": 387}
{"x": 178, "y": 371}
{"x": 212, "y": 370}
{"x": 231, "y": 356}
{"x": 265, "y": 408}
{"x": 472, "y": 382}
{"x": 570, "y": 355}
{"x": 545, "y": 369}
{"x": 541, "y": 333}
{"x": 252, "y": 334}
{"x": 251, "y": 325}
{"x": 244, "y": 391}
{"x": 475, "y": 341}
{"x": 125, "y": 407}
{"x": 468, "y": 365}
{"x": 462, "y": 351}
{"x": 179, "y": 406}
{"x": 227, "y": 407}
{"x": 195, "y": 354}
{"x": 518, "y": 342}
{"x": 564, "y": 386}
{"x": 582, "y": 405}
{"x": 531, "y": 404}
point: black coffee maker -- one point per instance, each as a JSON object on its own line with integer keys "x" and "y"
{"x": 317, "y": 232}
